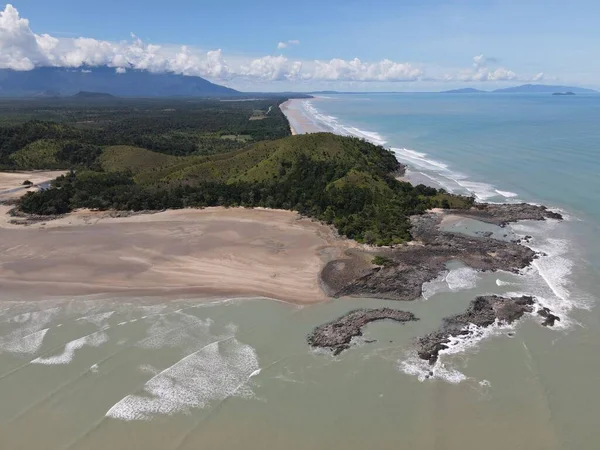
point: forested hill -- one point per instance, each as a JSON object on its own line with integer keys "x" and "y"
{"x": 340, "y": 180}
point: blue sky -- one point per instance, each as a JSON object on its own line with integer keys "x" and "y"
{"x": 400, "y": 45}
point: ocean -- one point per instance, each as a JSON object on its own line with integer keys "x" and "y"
{"x": 148, "y": 373}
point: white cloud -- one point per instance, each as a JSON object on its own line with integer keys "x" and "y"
{"x": 480, "y": 61}
{"x": 120, "y": 70}
{"x": 285, "y": 44}
{"x": 274, "y": 68}
{"x": 356, "y": 70}
{"x": 482, "y": 71}
{"x": 20, "y": 48}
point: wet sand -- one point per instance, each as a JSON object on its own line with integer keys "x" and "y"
{"x": 299, "y": 123}
{"x": 215, "y": 252}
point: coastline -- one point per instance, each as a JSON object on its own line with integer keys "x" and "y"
{"x": 434, "y": 246}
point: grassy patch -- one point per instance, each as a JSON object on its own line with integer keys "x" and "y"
{"x": 121, "y": 158}
{"x": 381, "y": 261}
{"x": 40, "y": 154}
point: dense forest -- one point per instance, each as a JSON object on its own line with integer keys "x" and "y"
{"x": 158, "y": 155}
{"x": 33, "y": 133}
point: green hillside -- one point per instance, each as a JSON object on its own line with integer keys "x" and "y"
{"x": 40, "y": 154}
{"x": 122, "y": 158}
{"x": 264, "y": 162}
{"x": 343, "y": 181}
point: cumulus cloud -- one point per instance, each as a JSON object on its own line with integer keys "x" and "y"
{"x": 20, "y": 48}
{"x": 482, "y": 61}
{"x": 274, "y": 68}
{"x": 285, "y": 44}
{"x": 356, "y": 70}
{"x": 482, "y": 71}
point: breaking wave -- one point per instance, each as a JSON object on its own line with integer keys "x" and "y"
{"x": 220, "y": 370}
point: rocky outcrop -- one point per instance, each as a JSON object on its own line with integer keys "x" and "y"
{"x": 483, "y": 312}
{"x": 423, "y": 260}
{"x": 503, "y": 214}
{"x": 337, "y": 334}
{"x": 549, "y": 318}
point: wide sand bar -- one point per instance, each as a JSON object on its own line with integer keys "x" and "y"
{"x": 214, "y": 251}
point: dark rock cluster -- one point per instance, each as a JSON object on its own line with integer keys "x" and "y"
{"x": 503, "y": 214}
{"x": 412, "y": 265}
{"x": 482, "y": 312}
{"x": 337, "y": 334}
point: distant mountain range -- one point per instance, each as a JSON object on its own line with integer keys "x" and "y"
{"x": 525, "y": 88}
{"x": 98, "y": 82}
{"x": 54, "y": 81}
{"x": 86, "y": 94}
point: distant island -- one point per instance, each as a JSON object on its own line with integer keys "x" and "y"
{"x": 527, "y": 89}
{"x": 465, "y": 91}
{"x": 544, "y": 89}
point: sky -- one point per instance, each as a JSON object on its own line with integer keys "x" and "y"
{"x": 267, "y": 45}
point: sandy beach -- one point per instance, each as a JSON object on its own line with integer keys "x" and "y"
{"x": 299, "y": 123}
{"x": 210, "y": 252}
{"x": 11, "y": 183}
{"x": 215, "y": 252}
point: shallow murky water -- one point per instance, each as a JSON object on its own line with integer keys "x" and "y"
{"x": 96, "y": 373}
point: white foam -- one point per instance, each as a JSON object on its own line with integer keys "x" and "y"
{"x": 549, "y": 279}
{"x": 332, "y": 123}
{"x": 482, "y": 191}
{"x": 435, "y": 286}
{"x": 462, "y": 278}
{"x": 175, "y": 330}
{"x": 415, "y": 366}
{"x": 503, "y": 283}
{"x": 469, "y": 341}
{"x": 442, "y": 369}
{"x": 91, "y": 340}
{"x": 507, "y": 194}
{"x": 218, "y": 371}
{"x": 28, "y": 344}
{"x": 28, "y": 338}
{"x": 96, "y": 319}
